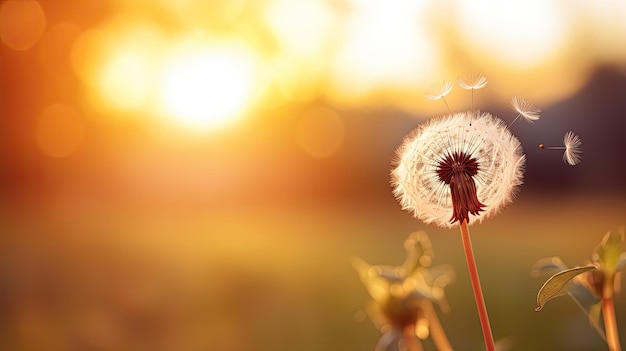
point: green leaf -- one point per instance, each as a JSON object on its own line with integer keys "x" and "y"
{"x": 609, "y": 251}
{"x": 553, "y": 287}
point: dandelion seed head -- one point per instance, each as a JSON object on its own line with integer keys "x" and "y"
{"x": 484, "y": 158}
{"x": 525, "y": 108}
{"x": 438, "y": 91}
{"x": 472, "y": 81}
{"x": 572, "y": 154}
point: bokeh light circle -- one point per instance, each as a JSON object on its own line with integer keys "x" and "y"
{"x": 206, "y": 86}
{"x": 22, "y": 23}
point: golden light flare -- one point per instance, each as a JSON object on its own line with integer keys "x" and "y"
{"x": 124, "y": 81}
{"x": 59, "y": 130}
{"x": 605, "y": 43}
{"x": 206, "y": 85}
{"x": 119, "y": 64}
{"x": 319, "y": 132}
{"x": 290, "y": 22}
{"x": 385, "y": 47}
{"x": 518, "y": 33}
{"x": 203, "y": 65}
{"x": 202, "y": 13}
{"x": 305, "y": 33}
{"x": 22, "y": 23}
{"x": 194, "y": 80}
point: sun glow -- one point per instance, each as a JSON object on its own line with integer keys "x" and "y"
{"x": 118, "y": 64}
{"x": 517, "y": 33}
{"x": 207, "y": 86}
{"x": 123, "y": 80}
{"x": 384, "y": 46}
{"x": 179, "y": 68}
{"x": 193, "y": 80}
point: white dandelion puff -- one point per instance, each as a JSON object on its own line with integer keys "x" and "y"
{"x": 525, "y": 109}
{"x": 439, "y": 91}
{"x": 447, "y": 171}
{"x": 472, "y": 81}
{"x": 572, "y": 154}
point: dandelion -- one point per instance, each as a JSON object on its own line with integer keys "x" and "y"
{"x": 571, "y": 145}
{"x": 472, "y": 82}
{"x": 448, "y": 172}
{"x": 525, "y": 109}
{"x": 439, "y": 91}
{"x": 403, "y": 297}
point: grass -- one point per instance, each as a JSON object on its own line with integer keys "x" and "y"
{"x": 278, "y": 278}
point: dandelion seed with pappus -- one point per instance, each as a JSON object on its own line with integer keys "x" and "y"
{"x": 457, "y": 169}
{"x": 439, "y": 91}
{"x": 571, "y": 147}
{"x": 472, "y": 82}
{"x": 525, "y": 109}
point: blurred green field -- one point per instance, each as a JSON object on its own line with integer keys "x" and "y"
{"x": 278, "y": 278}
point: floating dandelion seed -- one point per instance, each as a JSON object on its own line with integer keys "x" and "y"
{"x": 439, "y": 91}
{"x": 472, "y": 82}
{"x": 572, "y": 152}
{"x": 571, "y": 145}
{"x": 447, "y": 171}
{"x": 525, "y": 109}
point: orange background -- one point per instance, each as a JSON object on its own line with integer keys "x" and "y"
{"x": 197, "y": 175}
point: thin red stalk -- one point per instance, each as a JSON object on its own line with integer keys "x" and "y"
{"x": 412, "y": 343}
{"x": 610, "y": 323}
{"x": 478, "y": 292}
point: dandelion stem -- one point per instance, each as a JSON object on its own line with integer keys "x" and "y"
{"x": 478, "y": 293}
{"x": 412, "y": 343}
{"x": 608, "y": 314}
{"x": 472, "y": 99}
{"x": 445, "y": 102}
{"x": 515, "y": 120}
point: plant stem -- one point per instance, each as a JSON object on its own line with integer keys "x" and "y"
{"x": 412, "y": 343}
{"x": 472, "y": 99}
{"x": 610, "y": 323}
{"x": 436, "y": 330}
{"x": 445, "y": 102}
{"x": 478, "y": 292}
